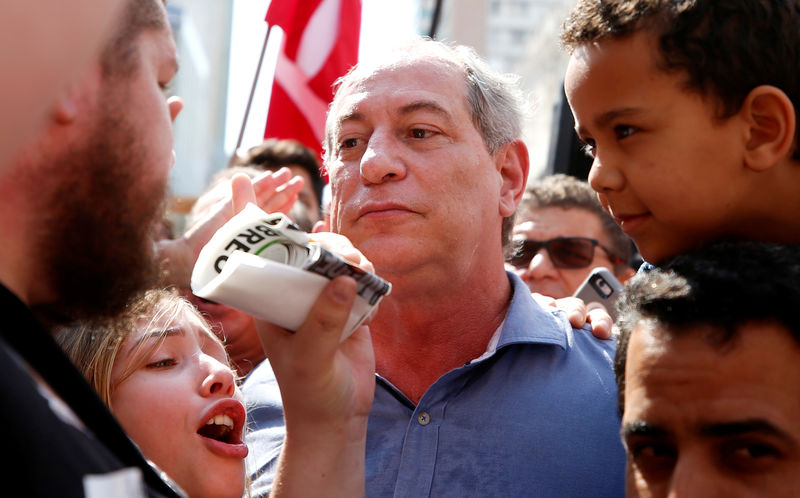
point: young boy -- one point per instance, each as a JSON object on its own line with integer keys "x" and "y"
{"x": 689, "y": 110}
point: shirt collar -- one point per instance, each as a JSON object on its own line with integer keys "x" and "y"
{"x": 529, "y": 322}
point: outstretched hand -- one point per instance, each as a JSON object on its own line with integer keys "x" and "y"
{"x": 327, "y": 386}
{"x": 271, "y": 191}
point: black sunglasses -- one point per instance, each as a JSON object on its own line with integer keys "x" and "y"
{"x": 564, "y": 252}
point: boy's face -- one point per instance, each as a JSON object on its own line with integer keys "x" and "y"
{"x": 669, "y": 172}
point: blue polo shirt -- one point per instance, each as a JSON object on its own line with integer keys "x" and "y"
{"x": 535, "y": 416}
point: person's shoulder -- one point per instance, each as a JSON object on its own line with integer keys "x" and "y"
{"x": 528, "y": 321}
{"x": 59, "y": 456}
{"x": 580, "y": 339}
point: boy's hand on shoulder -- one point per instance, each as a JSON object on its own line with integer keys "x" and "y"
{"x": 580, "y": 313}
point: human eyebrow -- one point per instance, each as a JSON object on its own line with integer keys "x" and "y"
{"x": 424, "y": 105}
{"x": 351, "y": 115}
{"x": 159, "y": 334}
{"x": 750, "y": 426}
{"x": 642, "y": 428}
{"x": 607, "y": 117}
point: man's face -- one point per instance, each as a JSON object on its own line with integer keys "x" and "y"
{"x": 670, "y": 174}
{"x": 702, "y": 420}
{"x": 543, "y": 224}
{"x": 109, "y": 188}
{"x": 413, "y": 184}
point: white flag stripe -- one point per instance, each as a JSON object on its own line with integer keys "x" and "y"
{"x": 295, "y": 83}
{"x": 319, "y": 37}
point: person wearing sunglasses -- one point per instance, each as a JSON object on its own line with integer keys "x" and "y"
{"x": 561, "y": 234}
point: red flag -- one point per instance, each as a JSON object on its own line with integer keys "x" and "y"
{"x": 320, "y": 45}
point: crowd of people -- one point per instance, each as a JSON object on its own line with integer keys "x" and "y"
{"x": 479, "y": 374}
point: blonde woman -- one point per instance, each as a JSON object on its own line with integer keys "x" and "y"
{"x": 167, "y": 379}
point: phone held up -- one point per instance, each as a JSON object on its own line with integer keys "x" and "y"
{"x": 601, "y": 286}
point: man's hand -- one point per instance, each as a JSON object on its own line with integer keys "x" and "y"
{"x": 327, "y": 388}
{"x": 579, "y": 313}
{"x": 323, "y": 381}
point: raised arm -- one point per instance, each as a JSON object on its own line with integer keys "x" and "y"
{"x": 271, "y": 191}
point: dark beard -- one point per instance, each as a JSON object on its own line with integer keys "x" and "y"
{"x": 97, "y": 244}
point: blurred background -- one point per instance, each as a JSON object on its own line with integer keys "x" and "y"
{"x": 220, "y": 44}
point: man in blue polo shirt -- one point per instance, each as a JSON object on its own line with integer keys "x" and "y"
{"x": 480, "y": 390}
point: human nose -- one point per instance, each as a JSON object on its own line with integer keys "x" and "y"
{"x": 382, "y": 161}
{"x": 691, "y": 479}
{"x": 541, "y": 266}
{"x": 604, "y": 176}
{"x": 175, "y": 105}
{"x": 219, "y": 378}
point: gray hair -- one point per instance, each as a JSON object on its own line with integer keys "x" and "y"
{"x": 495, "y": 100}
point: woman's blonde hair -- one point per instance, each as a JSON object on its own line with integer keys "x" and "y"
{"x": 94, "y": 348}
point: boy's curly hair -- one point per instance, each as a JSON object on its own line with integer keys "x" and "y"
{"x": 725, "y": 48}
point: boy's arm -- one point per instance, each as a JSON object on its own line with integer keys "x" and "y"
{"x": 580, "y": 314}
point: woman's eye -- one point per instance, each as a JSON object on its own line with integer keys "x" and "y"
{"x": 167, "y": 362}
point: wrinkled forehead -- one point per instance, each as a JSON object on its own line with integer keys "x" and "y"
{"x": 406, "y": 57}
{"x": 428, "y": 67}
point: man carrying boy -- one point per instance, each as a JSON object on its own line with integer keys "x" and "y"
{"x": 708, "y": 372}
{"x": 689, "y": 111}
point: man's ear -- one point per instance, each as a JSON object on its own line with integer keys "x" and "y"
{"x": 68, "y": 105}
{"x": 772, "y": 121}
{"x": 65, "y": 109}
{"x": 513, "y": 164}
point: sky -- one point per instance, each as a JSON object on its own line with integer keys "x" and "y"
{"x": 383, "y": 22}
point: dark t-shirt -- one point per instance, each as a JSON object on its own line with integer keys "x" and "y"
{"x": 45, "y": 455}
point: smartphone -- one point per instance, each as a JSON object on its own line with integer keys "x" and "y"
{"x": 601, "y": 286}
